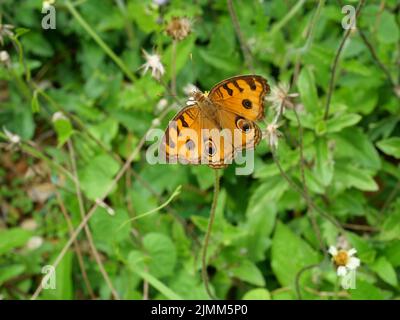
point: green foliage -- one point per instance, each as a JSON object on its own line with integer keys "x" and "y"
{"x": 81, "y": 88}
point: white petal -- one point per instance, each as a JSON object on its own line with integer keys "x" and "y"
{"x": 332, "y": 250}
{"x": 353, "y": 263}
{"x": 352, "y": 252}
{"x": 341, "y": 271}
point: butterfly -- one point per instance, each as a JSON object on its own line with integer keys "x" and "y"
{"x": 215, "y": 126}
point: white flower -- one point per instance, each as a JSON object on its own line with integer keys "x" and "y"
{"x": 156, "y": 122}
{"x": 153, "y": 62}
{"x": 161, "y": 105}
{"x": 344, "y": 260}
{"x": 47, "y": 4}
{"x": 4, "y": 56}
{"x": 58, "y": 116}
{"x": 160, "y": 2}
{"x": 191, "y": 101}
{"x": 189, "y": 89}
{"x": 5, "y": 31}
{"x": 13, "y": 138}
{"x": 280, "y": 96}
{"x": 34, "y": 243}
{"x": 272, "y": 134}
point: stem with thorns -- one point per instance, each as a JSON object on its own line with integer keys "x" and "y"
{"x": 207, "y": 237}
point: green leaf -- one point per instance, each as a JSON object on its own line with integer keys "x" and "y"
{"x": 64, "y": 130}
{"x": 97, "y": 175}
{"x": 64, "y": 287}
{"x": 323, "y": 168}
{"x": 352, "y": 143}
{"x": 308, "y": 90}
{"x": 385, "y": 271}
{"x": 289, "y": 254}
{"x": 257, "y": 294}
{"x": 161, "y": 287}
{"x": 342, "y": 121}
{"x": 248, "y": 272}
{"x": 35, "y": 103}
{"x": 10, "y": 271}
{"x": 388, "y": 30}
{"x": 390, "y": 146}
{"x": 162, "y": 254}
{"x": 13, "y": 238}
{"x": 365, "y": 291}
{"x": 261, "y": 216}
{"x": 352, "y": 176}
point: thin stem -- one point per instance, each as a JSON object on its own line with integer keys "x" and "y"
{"x": 95, "y": 206}
{"x": 173, "y": 68}
{"x": 279, "y": 25}
{"x": 298, "y": 276}
{"x": 305, "y": 196}
{"x": 99, "y": 41}
{"x": 76, "y": 245}
{"x": 376, "y": 58}
{"x": 336, "y": 61}
{"x": 303, "y": 178}
{"x": 243, "y": 45}
{"x": 207, "y": 236}
{"x": 86, "y": 228}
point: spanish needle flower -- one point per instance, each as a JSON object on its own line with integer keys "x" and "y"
{"x": 153, "y": 62}
{"x": 344, "y": 260}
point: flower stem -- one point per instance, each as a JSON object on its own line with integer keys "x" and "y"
{"x": 207, "y": 236}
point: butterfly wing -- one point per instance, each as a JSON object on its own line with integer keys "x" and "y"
{"x": 193, "y": 138}
{"x": 179, "y": 143}
{"x": 241, "y": 95}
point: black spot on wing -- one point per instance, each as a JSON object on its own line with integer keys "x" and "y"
{"x": 247, "y": 103}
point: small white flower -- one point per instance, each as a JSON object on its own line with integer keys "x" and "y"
{"x": 189, "y": 89}
{"x": 105, "y": 206}
{"x": 47, "y": 3}
{"x": 58, "y": 116}
{"x": 34, "y": 242}
{"x": 272, "y": 134}
{"x": 161, "y": 105}
{"x": 160, "y": 2}
{"x": 344, "y": 260}
{"x": 153, "y": 62}
{"x": 156, "y": 122}
{"x": 280, "y": 97}
{"x": 5, "y": 31}
{"x": 4, "y": 56}
{"x": 13, "y": 138}
{"x": 29, "y": 224}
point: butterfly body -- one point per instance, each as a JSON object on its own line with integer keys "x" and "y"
{"x": 215, "y": 126}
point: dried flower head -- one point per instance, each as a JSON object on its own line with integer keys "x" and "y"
{"x": 344, "y": 260}
{"x": 153, "y": 62}
{"x": 272, "y": 134}
{"x": 280, "y": 97}
{"x": 179, "y": 28}
{"x": 5, "y": 31}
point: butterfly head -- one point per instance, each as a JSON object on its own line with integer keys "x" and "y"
{"x": 198, "y": 96}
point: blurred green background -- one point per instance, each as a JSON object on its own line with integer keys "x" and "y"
{"x": 78, "y": 101}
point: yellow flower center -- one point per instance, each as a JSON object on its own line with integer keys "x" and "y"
{"x": 341, "y": 258}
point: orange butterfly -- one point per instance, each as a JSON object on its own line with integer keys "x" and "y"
{"x": 216, "y": 125}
